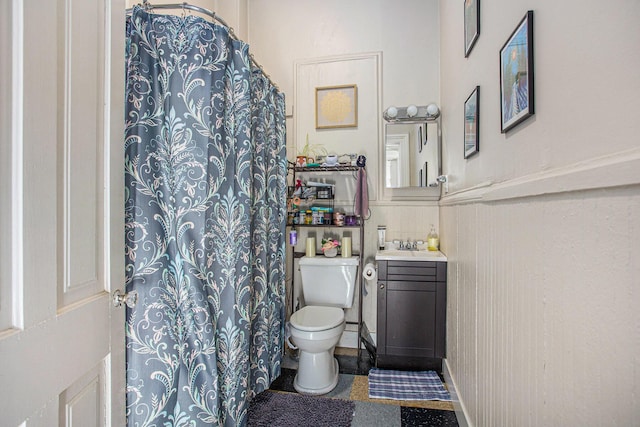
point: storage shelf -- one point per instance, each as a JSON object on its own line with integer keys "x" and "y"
{"x": 293, "y": 169}
{"x": 323, "y": 226}
{"x": 340, "y": 168}
{"x": 297, "y": 255}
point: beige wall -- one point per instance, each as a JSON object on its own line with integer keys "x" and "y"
{"x": 542, "y": 226}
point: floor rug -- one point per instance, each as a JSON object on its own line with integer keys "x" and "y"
{"x": 294, "y": 410}
{"x": 406, "y": 385}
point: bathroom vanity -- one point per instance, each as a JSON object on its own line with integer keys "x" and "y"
{"x": 411, "y": 312}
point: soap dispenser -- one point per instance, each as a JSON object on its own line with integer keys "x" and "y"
{"x": 433, "y": 242}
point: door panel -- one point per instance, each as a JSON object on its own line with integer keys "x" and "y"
{"x": 81, "y": 139}
{"x": 63, "y": 356}
{"x": 83, "y": 399}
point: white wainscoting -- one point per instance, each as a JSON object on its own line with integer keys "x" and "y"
{"x": 543, "y": 296}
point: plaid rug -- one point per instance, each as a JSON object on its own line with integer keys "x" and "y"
{"x": 406, "y": 385}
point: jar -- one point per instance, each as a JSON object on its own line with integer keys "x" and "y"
{"x": 327, "y": 218}
{"x": 338, "y": 219}
{"x": 308, "y": 219}
{"x": 302, "y": 219}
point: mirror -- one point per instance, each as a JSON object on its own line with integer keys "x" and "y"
{"x": 411, "y": 154}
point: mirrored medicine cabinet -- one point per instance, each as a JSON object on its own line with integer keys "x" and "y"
{"x": 411, "y": 152}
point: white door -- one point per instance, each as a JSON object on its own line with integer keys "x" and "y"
{"x": 61, "y": 212}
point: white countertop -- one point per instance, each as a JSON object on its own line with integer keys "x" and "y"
{"x": 403, "y": 255}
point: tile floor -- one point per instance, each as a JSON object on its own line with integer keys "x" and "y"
{"x": 353, "y": 385}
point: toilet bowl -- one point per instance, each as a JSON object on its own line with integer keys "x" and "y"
{"x": 316, "y": 330}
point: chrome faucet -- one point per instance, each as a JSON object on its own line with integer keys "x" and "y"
{"x": 408, "y": 245}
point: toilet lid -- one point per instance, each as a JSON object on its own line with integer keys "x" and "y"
{"x": 315, "y": 318}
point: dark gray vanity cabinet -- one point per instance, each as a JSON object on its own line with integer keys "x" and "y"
{"x": 411, "y": 325}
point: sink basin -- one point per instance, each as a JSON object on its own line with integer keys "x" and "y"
{"x": 402, "y": 255}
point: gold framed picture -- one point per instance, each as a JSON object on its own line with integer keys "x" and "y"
{"x": 336, "y": 107}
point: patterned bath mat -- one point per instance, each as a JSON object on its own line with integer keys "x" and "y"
{"x": 270, "y": 409}
{"x": 406, "y": 385}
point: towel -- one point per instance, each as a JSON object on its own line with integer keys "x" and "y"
{"x": 362, "y": 193}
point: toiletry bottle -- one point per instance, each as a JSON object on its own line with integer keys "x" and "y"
{"x": 433, "y": 242}
{"x": 382, "y": 230}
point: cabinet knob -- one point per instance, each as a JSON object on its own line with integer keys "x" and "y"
{"x": 382, "y": 286}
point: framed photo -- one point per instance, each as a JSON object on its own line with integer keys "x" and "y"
{"x": 336, "y": 107}
{"x": 472, "y": 123}
{"x": 425, "y": 133}
{"x": 471, "y": 24}
{"x": 426, "y": 174}
{"x": 516, "y": 75}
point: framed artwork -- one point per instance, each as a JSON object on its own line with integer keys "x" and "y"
{"x": 426, "y": 174}
{"x": 336, "y": 107}
{"x": 516, "y": 75}
{"x": 472, "y": 123}
{"x": 471, "y": 24}
{"x": 425, "y": 133}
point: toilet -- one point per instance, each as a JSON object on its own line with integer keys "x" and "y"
{"x": 328, "y": 286}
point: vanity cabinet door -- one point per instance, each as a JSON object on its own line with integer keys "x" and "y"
{"x": 411, "y": 314}
{"x": 410, "y": 318}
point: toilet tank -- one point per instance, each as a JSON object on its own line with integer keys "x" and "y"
{"x": 328, "y": 281}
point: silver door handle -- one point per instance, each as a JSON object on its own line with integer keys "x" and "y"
{"x": 130, "y": 298}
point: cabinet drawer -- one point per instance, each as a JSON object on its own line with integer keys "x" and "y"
{"x": 413, "y": 271}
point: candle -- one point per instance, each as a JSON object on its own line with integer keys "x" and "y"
{"x": 346, "y": 247}
{"x": 311, "y": 246}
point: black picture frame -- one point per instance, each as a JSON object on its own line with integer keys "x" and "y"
{"x": 472, "y": 123}
{"x": 471, "y": 25}
{"x": 516, "y": 75}
{"x": 425, "y": 133}
{"x": 426, "y": 174}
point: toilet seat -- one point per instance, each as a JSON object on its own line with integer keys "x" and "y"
{"x": 313, "y": 318}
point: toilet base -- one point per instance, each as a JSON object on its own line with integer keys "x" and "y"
{"x": 311, "y": 378}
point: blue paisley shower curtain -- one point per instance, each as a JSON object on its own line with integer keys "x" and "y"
{"x": 205, "y": 175}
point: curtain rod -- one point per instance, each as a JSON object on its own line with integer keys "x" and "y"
{"x": 186, "y": 6}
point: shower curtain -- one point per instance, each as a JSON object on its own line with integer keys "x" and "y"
{"x": 205, "y": 175}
